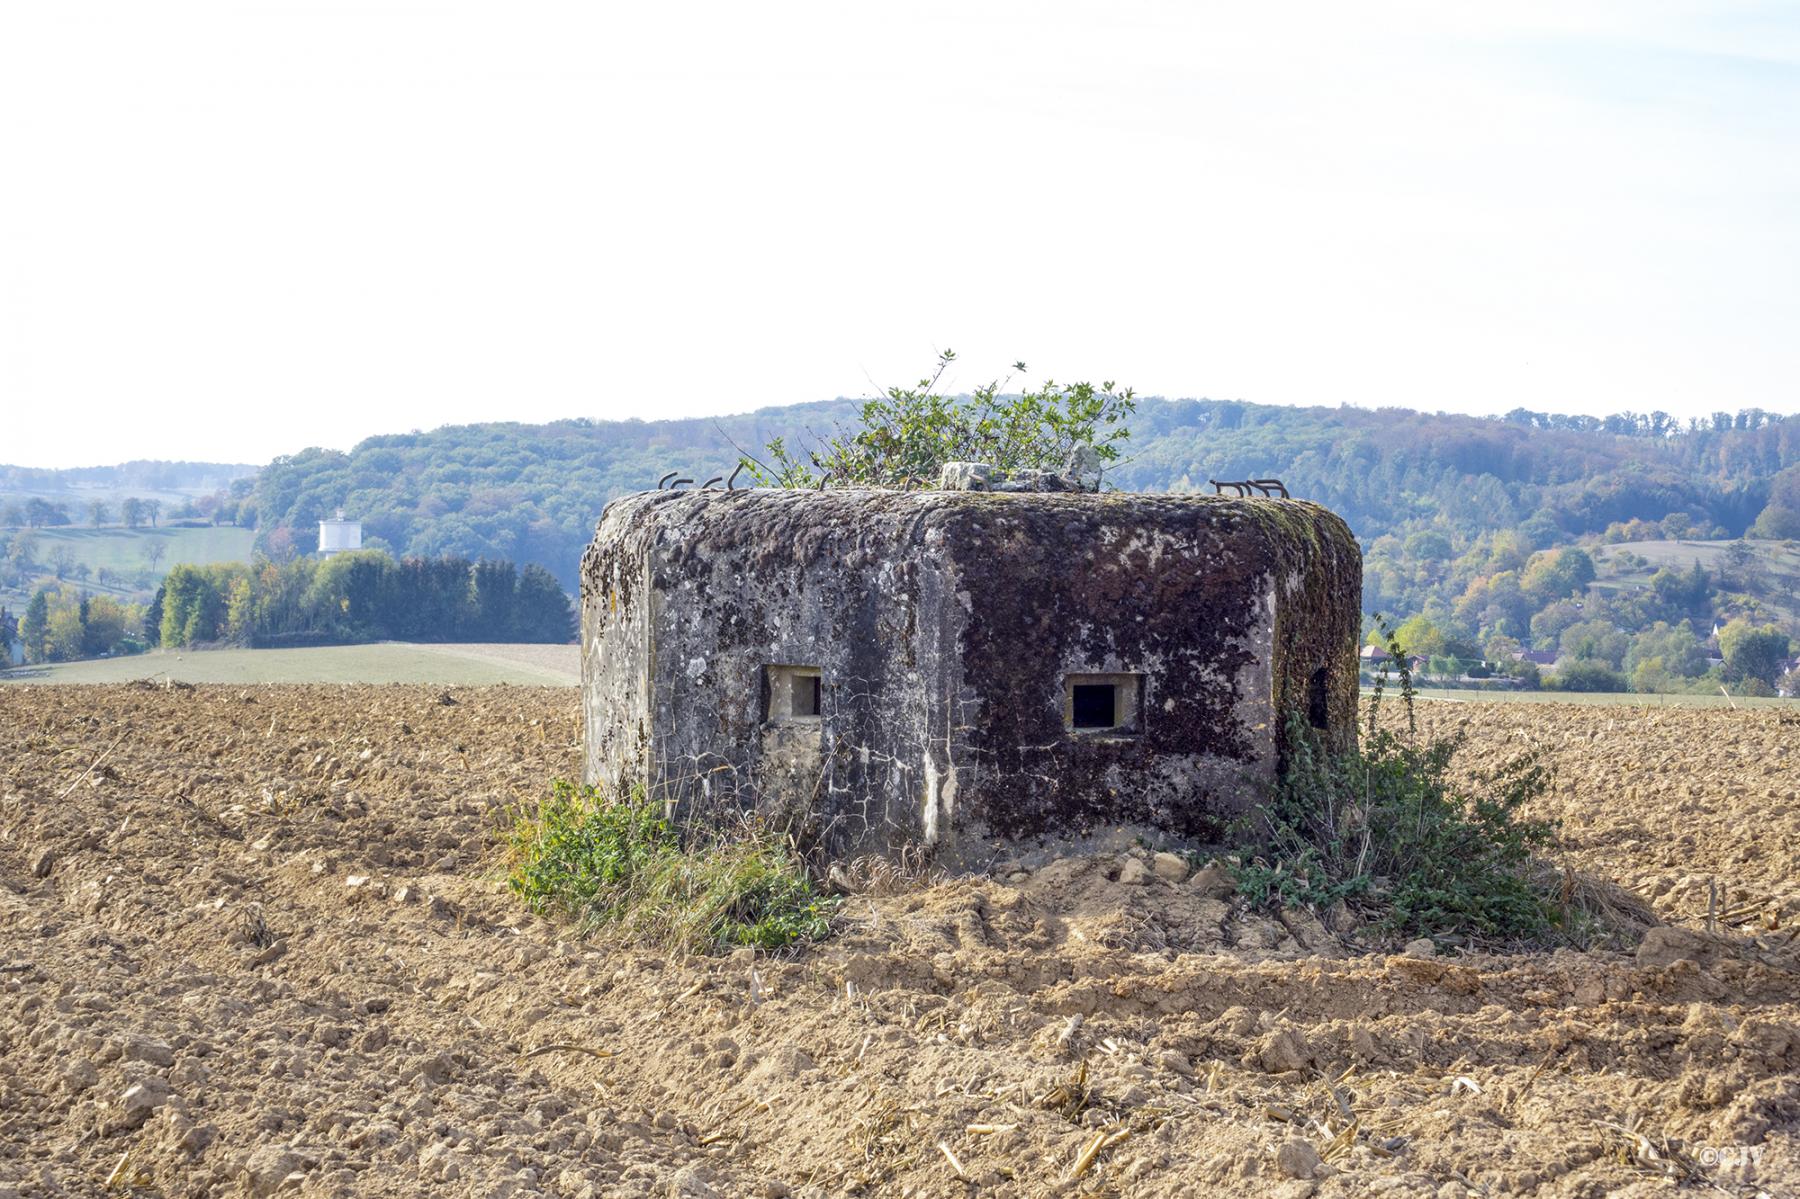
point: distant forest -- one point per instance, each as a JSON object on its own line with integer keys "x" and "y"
{"x": 1468, "y": 524}
{"x": 532, "y": 493}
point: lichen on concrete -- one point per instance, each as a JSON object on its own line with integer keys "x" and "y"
{"x": 945, "y": 627}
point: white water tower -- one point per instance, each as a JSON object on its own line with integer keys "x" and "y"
{"x": 337, "y": 535}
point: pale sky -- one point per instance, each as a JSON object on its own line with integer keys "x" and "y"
{"x": 233, "y": 230}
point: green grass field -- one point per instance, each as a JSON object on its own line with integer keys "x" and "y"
{"x": 467, "y": 665}
{"x": 126, "y": 550}
{"x": 1609, "y": 699}
{"x": 1775, "y": 579}
{"x": 1782, "y": 557}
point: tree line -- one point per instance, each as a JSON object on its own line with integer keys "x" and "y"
{"x": 366, "y": 595}
{"x": 362, "y": 596}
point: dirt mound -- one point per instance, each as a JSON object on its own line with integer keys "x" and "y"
{"x": 254, "y": 941}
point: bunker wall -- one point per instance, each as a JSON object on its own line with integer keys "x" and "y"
{"x": 944, "y": 639}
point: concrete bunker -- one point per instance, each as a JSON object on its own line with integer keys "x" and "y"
{"x": 963, "y": 670}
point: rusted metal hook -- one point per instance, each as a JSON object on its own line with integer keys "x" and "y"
{"x": 731, "y": 483}
{"x": 664, "y": 481}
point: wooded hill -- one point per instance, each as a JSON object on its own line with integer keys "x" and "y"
{"x": 531, "y": 493}
{"x": 1607, "y": 547}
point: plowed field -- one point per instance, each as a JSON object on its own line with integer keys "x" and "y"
{"x": 255, "y": 941}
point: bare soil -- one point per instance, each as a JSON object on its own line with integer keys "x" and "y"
{"x": 256, "y": 941}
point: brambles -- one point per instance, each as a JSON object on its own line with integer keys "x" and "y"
{"x": 907, "y": 434}
{"x": 1383, "y": 828}
{"x": 618, "y": 862}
